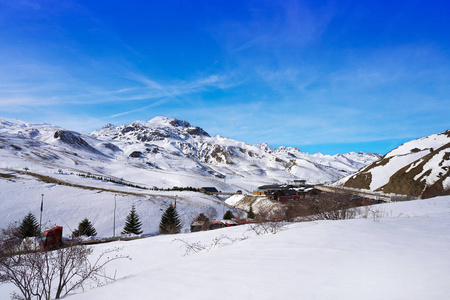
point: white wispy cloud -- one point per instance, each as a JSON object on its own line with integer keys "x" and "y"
{"x": 292, "y": 24}
{"x": 40, "y": 84}
{"x": 155, "y": 104}
{"x": 167, "y": 92}
{"x": 155, "y": 89}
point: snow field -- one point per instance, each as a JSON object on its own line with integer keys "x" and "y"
{"x": 439, "y": 160}
{"x": 382, "y": 174}
{"x": 403, "y": 255}
{"x": 434, "y": 141}
{"x": 66, "y": 206}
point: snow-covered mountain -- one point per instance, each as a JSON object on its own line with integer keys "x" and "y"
{"x": 418, "y": 168}
{"x": 164, "y": 142}
{"x": 166, "y": 152}
{"x": 118, "y": 162}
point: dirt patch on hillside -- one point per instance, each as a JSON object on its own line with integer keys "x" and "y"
{"x": 7, "y": 176}
{"x": 256, "y": 202}
{"x": 403, "y": 182}
{"x": 360, "y": 181}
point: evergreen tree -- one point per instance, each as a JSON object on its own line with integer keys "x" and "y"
{"x": 170, "y": 221}
{"x": 206, "y": 222}
{"x": 228, "y": 215}
{"x": 132, "y": 223}
{"x": 29, "y": 226}
{"x": 251, "y": 214}
{"x": 85, "y": 227}
{"x": 201, "y": 217}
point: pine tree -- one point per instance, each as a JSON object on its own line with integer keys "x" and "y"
{"x": 85, "y": 227}
{"x": 201, "y": 217}
{"x": 170, "y": 221}
{"x": 251, "y": 214}
{"x": 206, "y": 222}
{"x": 228, "y": 215}
{"x": 29, "y": 226}
{"x": 132, "y": 223}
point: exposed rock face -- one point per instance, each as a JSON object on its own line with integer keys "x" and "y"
{"x": 361, "y": 181}
{"x": 75, "y": 141}
{"x": 217, "y": 154}
{"x": 417, "y": 168}
{"x": 136, "y": 154}
{"x": 428, "y": 177}
{"x": 172, "y": 140}
{"x": 111, "y": 146}
{"x": 157, "y": 129}
{"x": 192, "y": 130}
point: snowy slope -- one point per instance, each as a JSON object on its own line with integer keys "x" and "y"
{"x": 419, "y": 168}
{"x": 166, "y": 152}
{"x": 403, "y": 255}
{"x": 38, "y": 159}
{"x": 67, "y": 205}
{"x": 221, "y": 157}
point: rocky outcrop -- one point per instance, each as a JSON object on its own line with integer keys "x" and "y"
{"x": 75, "y": 141}
{"x": 418, "y": 168}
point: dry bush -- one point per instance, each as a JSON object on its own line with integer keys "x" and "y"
{"x": 326, "y": 206}
{"x": 50, "y": 274}
{"x": 195, "y": 247}
{"x": 331, "y": 207}
{"x": 10, "y": 240}
{"x": 402, "y": 198}
{"x": 267, "y": 221}
{"x": 371, "y": 212}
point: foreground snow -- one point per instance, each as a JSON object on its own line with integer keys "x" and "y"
{"x": 403, "y": 255}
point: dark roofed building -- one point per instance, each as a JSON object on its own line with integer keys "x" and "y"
{"x": 209, "y": 190}
{"x": 270, "y": 187}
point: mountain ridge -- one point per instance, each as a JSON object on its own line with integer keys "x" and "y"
{"x": 142, "y": 150}
{"x": 420, "y": 168}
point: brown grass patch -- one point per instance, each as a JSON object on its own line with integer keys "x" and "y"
{"x": 7, "y": 176}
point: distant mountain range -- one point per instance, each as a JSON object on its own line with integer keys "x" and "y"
{"x": 418, "y": 168}
{"x": 80, "y": 174}
{"x": 167, "y": 152}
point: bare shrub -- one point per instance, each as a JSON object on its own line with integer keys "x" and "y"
{"x": 266, "y": 227}
{"x": 267, "y": 221}
{"x": 50, "y": 274}
{"x": 399, "y": 198}
{"x": 10, "y": 239}
{"x": 291, "y": 210}
{"x": 371, "y": 212}
{"x": 195, "y": 247}
{"x": 329, "y": 206}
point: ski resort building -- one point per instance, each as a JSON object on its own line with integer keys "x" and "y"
{"x": 209, "y": 190}
{"x": 285, "y": 193}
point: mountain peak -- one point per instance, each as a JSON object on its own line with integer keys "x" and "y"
{"x": 107, "y": 126}
{"x": 161, "y": 121}
{"x": 158, "y": 128}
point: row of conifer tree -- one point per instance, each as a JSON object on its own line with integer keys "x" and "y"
{"x": 170, "y": 223}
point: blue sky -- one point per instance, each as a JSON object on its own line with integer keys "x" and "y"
{"x": 324, "y": 76}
